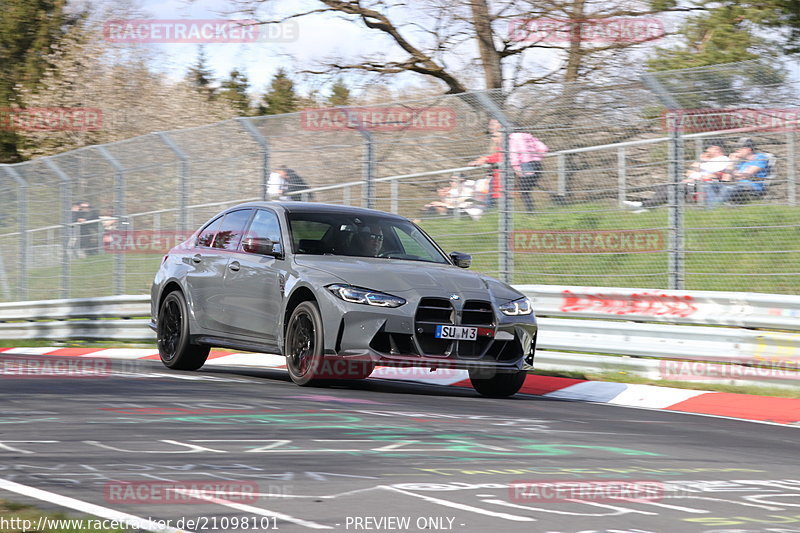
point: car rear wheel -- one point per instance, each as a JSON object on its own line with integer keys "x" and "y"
{"x": 303, "y": 344}
{"x": 497, "y": 385}
{"x": 174, "y": 347}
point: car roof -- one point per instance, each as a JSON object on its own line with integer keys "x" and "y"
{"x": 314, "y": 207}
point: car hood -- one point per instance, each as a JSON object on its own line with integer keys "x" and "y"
{"x": 397, "y": 276}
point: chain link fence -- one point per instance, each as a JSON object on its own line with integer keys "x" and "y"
{"x": 96, "y": 221}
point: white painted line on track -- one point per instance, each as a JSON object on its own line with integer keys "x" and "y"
{"x": 463, "y": 506}
{"x": 29, "y": 351}
{"x": 122, "y": 353}
{"x": 88, "y": 508}
{"x": 254, "y": 510}
{"x": 267, "y": 360}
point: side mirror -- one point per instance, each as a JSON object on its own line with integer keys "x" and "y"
{"x": 255, "y": 245}
{"x": 460, "y": 259}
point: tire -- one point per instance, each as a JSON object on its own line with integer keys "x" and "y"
{"x": 303, "y": 344}
{"x": 174, "y": 347}
{"x": 497, "y": 385}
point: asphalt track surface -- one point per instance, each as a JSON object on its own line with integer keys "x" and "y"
{"x": 241, "y": 449}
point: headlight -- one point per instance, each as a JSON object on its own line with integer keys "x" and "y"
{"x": 517, "y": 307}
{"x": 357, "y": 295}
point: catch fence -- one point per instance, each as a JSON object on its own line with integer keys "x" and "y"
{"x": 607, "y": 145}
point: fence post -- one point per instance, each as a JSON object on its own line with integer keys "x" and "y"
{"x": 395, "y": 192}
{"x": 622, "y": 175}
{"x": 674, "y": 171}
{"x": 368, "y": 165}
{"x": 791, "y": 169}
{"x": 22, "y": 187}
{"x": 119, "y": 214}
{"x": 66, "y": 223}
{"x": 264, "y": 145}
{"x": 676, "y": 207}
{"x": 369, "y": 169}
{"x": 505, "y": 218}
{"x": 561, "y": 186}
{"x": 183, "y": 191}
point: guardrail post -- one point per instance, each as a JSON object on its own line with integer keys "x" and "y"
{"x": 622, "y": 175}
{"x": 183, "y": 191}
{"x": 119, "y": 214}
{"x": 264, "y": 146}
{"x": 22, "y": 187}
{"x": 66, "y": 223}
{"x": 791, "y": 168}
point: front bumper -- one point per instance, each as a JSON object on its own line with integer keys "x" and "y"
{"x": 405, "y": 336}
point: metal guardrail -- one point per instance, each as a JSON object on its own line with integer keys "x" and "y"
{"x": 634, "y": 331}
{"x": 750, "y": 310}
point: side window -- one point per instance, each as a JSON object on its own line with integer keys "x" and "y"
{"x": 231, "y": 230}
{"x": 206, "y": 236}
{"x": 409, "y": 244}
{"x": 265, "y": 226}
{"x": 308, "y": 230}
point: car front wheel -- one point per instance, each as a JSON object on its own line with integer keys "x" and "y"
{"x": 174, "y": 347}
{"x": 303, "y": 344}
{"x": 497, "y": 385}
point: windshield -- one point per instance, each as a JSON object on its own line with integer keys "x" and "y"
{"x": 361, "y": 236}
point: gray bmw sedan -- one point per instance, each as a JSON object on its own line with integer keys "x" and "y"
{"x": 337, "y": 290}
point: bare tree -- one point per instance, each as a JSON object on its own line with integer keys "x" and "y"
{"x": 119, "y": 81}
{"x": 474, "y": 44}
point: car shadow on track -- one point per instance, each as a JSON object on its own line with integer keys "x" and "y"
{"x": 371, "y": 385}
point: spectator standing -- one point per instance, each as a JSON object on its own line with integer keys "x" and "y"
{"x": 276, "y": 186}
{"x": 294, "y": 183}
{"x": 90, "y": 230}
{"x": 525, "y": 155}
{"x": 284, "y": 181}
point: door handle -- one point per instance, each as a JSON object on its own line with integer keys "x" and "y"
{"x": 234, "y": 266}
{"x": 197, "y": 258}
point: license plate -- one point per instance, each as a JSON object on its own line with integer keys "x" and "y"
{"x": 459, "y": 333}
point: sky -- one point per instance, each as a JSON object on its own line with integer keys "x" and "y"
{"x": 316, "y": 36}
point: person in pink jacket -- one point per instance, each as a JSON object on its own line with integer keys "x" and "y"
{"x": 525, "y": 154}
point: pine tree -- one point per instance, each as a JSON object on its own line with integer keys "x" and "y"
{"x": 281, "y": 96}
{"x": 340, "y": 94}
{"x": 200, "y": 75}
{"x": 28, "y": 30}
{"x": 234, "y": 92}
